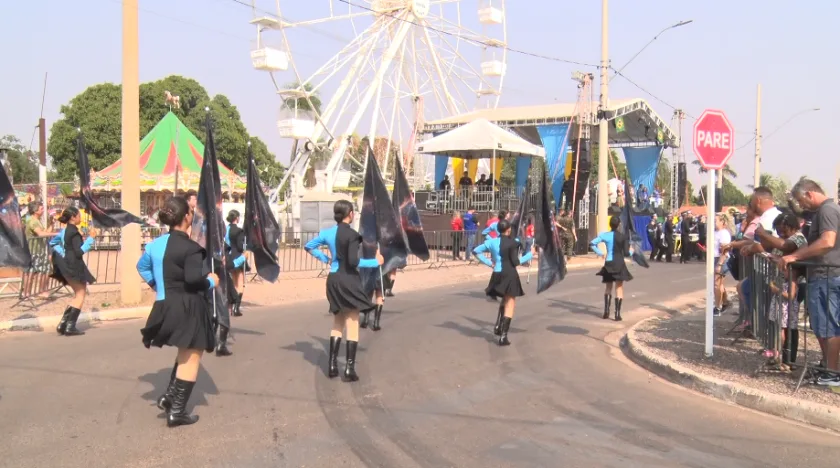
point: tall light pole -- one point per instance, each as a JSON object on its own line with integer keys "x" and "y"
{"x": 759, "y": 139}
{"x": 130, "y": 199}
{"x": 603, "y": 128}
{"x": 673, "y": 26}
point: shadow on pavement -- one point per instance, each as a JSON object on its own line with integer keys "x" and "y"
{"x": 564, "y": 330}
{"x": 204, "y": 386}
{"x": 577, "y": 308}
{"x": 315, "y": 353}
{"x": 237, "y": 331}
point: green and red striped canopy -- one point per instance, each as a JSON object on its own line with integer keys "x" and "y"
{"x": 168, "y": 149}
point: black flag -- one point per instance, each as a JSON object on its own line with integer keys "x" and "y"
{"x": 14, "y": 250}
{"x": 552, "y": 265}
{"x": 379, "y": 225}
{"x": 102, "y": 217}
{"x": 633, "y": 237}
{"x": 261, "y": 229}
{"x": 409, "y": 217}
{"x": 208, "y": 228}
{"x": 520, "y": 217}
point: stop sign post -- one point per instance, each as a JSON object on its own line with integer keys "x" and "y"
{"x": 714, "y": 140}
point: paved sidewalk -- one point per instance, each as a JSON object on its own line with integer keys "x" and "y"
{"x": 673, "y": 348}
{"x": 103, "y": 302}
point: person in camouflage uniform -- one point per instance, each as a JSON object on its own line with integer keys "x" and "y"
{"x": 566, "y": 225}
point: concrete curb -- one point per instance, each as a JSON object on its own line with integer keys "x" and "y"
{"x": 823, "y": 416}
{"x": 50, "y": 322}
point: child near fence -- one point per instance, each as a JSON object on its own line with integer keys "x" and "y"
{"x": 784, "y": 306}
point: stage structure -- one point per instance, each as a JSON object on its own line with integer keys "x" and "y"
{"x": 399, "y": 63}
{"x": 635, "y": 128}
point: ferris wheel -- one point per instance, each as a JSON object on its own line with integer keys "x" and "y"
{"x": 397, "y": 63}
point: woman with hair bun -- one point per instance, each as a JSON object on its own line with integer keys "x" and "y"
{"x": 504, "y": 282}
{"x": 344, "y": 286}
{"x": 172, "y": 266}
{"x": 614, "y": 271}
{"x": 235, "y": 243}
{"x": 69, "y": 267}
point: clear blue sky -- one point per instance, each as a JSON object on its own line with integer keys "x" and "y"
{"x": 714, "y": 62}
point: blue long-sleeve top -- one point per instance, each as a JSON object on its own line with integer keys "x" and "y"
{"x": 173, "y": 262}
{"x": 609, "y": 240}
{"x": 235, "y": 242}
{"x": 59, "y": 243}
{"x": 491, "y": 228}
{"x": 494, "y": 247}
{"x": 327, "y": 237}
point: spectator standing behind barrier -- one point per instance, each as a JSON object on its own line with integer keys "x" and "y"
{"x": 457, "y": 225}
{"x": 823, "y": 284}
{"x": 722, "y": 237}
{"x": 784, "y": 305}
{"x": 653, "y": 233}
{"x": 470, "y": 228}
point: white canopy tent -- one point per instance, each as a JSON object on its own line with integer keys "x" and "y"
{"x": 480, "y": 139}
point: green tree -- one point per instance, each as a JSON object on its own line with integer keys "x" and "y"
{"x": 727, "y": 170}
{"x": 731, "y": 195}
{"x": 97, "y": 111}
{"x": 618, "y": 164}
{"x": 24, "y": 163}
{"x": 780, "y": 186}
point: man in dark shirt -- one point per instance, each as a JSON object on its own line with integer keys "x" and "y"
{"x": 668, "y": 233}
{"x": 653, "y": 232}
{"x": 445, "y": 185}
{"x": 465, "y": 182}
{"x": 482, "y": 182}
{"x": 823, "y": 283}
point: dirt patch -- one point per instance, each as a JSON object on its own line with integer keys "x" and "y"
{"x": 680, "y": 338}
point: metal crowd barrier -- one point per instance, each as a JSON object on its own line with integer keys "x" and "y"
{"x": 763, "y": 289}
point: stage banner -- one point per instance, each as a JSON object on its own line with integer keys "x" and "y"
{"x": 633, "y": 237}
{"x": 441, "y": 163}
{"x": 642, "y": 164}
{"x": 457, "y": 172}
{"x": 555, "y": 141}
{"x": 523, "y": 166}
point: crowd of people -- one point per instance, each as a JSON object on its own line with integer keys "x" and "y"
{"x": 465, "y": 183}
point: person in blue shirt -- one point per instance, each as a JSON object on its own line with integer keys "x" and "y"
{"x": 492, "y": 229}
{"x": 172, "y": 266}
{"x": 504, "y": 282}
{"x": 69, "y": 267}
{"x": 614, "y": 271}
{"x": 470, "y": 228}
{"x": 345, "y": 293}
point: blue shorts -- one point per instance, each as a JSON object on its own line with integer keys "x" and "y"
{"x": 724, "y": 270}
{"x": 824, "y": 306}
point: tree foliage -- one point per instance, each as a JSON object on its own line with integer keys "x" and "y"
{"x": 24, "y": 163}
{"x": 97, "y": 111}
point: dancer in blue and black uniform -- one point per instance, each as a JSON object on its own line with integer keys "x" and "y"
{"x": 614, "y": 270}
{"x": 69, "y": 267}
{"x": 172, "y": 265}
{"x": 345, "y": 294}
{"x": 237, "y": 263}
{"x": 504, "y": 282}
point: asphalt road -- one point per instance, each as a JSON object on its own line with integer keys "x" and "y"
{"x": 435, "y": 392}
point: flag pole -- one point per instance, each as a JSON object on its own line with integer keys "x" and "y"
{"x": 381, "y": 281}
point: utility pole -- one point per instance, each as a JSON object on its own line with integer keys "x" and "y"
{"x": 42, "y": 166}
{"x": 757, "y": 175}
{"x": 603, "y": 129}
{"x": 130, "y": 245}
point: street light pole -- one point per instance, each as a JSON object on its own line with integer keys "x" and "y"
{"x": 130, "y": 197}
{"x": 603, "y": 129}
{"x": 757, "y": 175}
{"x": 673, "y": 26}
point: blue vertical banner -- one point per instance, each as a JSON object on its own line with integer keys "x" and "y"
{"x": 642, "y": 164}
{"x": 441, "y": 163}
{"x": 555, "y": 141}
{"x": 523, "y": 166}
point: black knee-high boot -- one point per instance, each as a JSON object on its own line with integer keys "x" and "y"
{"x": 390, "y": 291}
{"x": 335, "y": 346}
{"x": 165, "y": 400}
{"x": 350, "y": 370}
{"x": 376, "y": 316}
{"x": 363, "y": 319}
{"x": 618, "y": 301}
{"x": 503, "y": 338}
{"x": 497, "y": 330}
{"x": 607, "y": 303}
{"x": 62, "y": 324}
{"x": 178, "y": 415}
{"x": 237, "y": 305}
{"x": 70, "y": 329}
{"x": 221, "y": 347}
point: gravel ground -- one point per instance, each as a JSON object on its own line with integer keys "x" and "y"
{"x": 680, "y": 338}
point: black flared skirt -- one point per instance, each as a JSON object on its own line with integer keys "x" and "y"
{"x": 65, "y": 270}
{"x": 180, "y": 320}
{"x": 345, "y": 292}
{"x": 504, "y": 284}
{"x": 614, "y": 271}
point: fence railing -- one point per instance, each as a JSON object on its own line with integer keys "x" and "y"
{"x": 778, "y": 307}
{"x": 103, "y": 259}
{"x": 477, "y": 198}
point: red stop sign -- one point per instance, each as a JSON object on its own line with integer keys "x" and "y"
{"x": 714, "y": 139}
